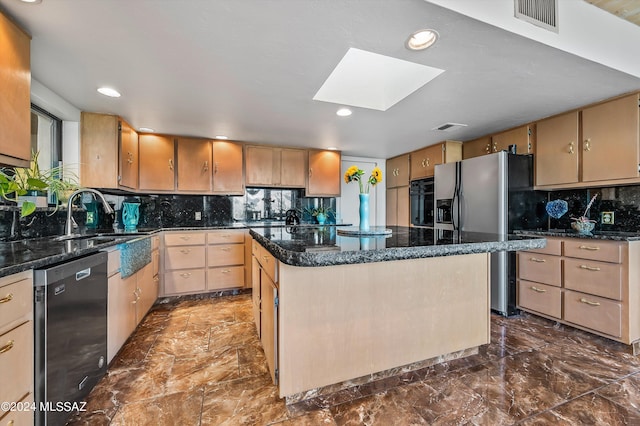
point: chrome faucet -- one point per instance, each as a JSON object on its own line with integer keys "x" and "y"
{"x": 69, "y": 225}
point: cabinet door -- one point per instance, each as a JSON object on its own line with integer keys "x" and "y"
{"x": 15, "y": 102}
{"x": 476, "y": 147}
{"x": 156, "y": 163}
{"x": 556, "y": 158}
{"x": 403, "y": 218}
{"x": 194, "y": 165}
{"x": 293, "y": 167}
{"x": 147, "y": 290}
{"x": 128, "y": 156}
{"x": 227, "y": 168}
{"x": 423, "y": 162}
{"x": 255, "y": 291}
{"x": 99, "y": 150}
{"x": 398, "y": 171}
{"x": 269, "y": 329}
{"x": 518, "y": 136}
{"x": 121, "y": 312}
{"x": 324, "y": 173}
{"x": 259, "y": 165}
{"x": 392, "y": 207}
{"x": 610, "y": 140}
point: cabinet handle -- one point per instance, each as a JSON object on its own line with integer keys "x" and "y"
{"x": 310, "y": 172}
{"x": 205, "y": 167}
{"x": 129, "y": 158}
{"x": 487, "y": 148}
{"x": 587, "y": 144}
{"x": 7, "y": 347}
{"x": 225, "y": 236}
{"x": 225, "y": 271}
{"x": 225, "y": 249}
{"x": 266, "y": 259}
{"x": 134, "y": 302}
{"x": 185, "y": 274}
{"x": 170, "y": 164}
{"x": 185, "y": 238}
{"x": 538, "y": 290}
{"x": 7, "y": 298}
{"x": 215, "y": 167}
{"x": 589, "y": 268}
{"x": 185, "y": 251}
{"x": 571, "y": 146}
{"x": 589, "y": 248}
{"x": 535, "y": 259}
{"x": 583, "y": 300}
{"x": 156, "y": 278}
{"x": 495, "y": 146}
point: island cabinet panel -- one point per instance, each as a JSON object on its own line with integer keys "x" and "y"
{"x": 476, "y": 147}
{"x": 398, "y": 171}
{"x": 194, "y": 165}
{"x": 337, "y": 323}
{"x": 610, "y": 140}
{"x": 255, "y": 292}
{"x": 15, "y": 102}
{"x": 157, "y": 163}
{"x": 268, "y": 322}
{"x": 227, "y": 168}
{"x": 557, "y": 149}
{"x": 16, "y": 344}
{"x": 324, "y": 174}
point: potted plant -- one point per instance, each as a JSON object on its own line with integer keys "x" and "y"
{"x": 320, "y": 213}
{"x": 583, "y": 224}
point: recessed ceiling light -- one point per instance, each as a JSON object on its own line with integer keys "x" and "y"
{"x": 222, "y": 137}
{"x": 146, "y": 129}
{"x": 107, "y": 91}
{"x": 332, "y": 148}
{"x": 422, "y": 39}
{"x": 31, "y": 1}
{"x": 343, "y": 112}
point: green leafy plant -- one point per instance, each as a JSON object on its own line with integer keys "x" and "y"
{"x": 315, "y": 211}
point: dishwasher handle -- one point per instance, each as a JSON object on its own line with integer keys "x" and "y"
{"x": 80, "y": 275}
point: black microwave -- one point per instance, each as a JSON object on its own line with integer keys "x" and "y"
{"x": 422, "y": 202}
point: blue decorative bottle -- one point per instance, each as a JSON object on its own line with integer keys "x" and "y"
{"x": 130, "y": 216}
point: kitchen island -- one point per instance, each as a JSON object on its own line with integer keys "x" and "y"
{"x": 352, "y": 310}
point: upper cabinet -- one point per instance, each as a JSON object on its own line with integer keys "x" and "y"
{"x": 604, "y": 149}
{"x": 398, "y": 171}
{"x": 522, "y": 137}
{"x": 424, "y": 161}
{"x": 476, "y": 147}
{"x": 227, "y": 168}
{"x": 556, "y": 159}
{"x": 108, "y": 152}
{"x": 324, "y": 174}
{"x": 194, "y": 165}
{"x": 269, "y": 166}
{"x": 15, "y": 101}
{"x": 157, "y": 163}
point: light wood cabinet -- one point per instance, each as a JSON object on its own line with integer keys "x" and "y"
{"x": 275, "y": 167}
{"x": 227, "y": 168}
{"x": 194, "y": 165}
{"x": 424, "y": 161}
{"x": 16, "y": 341}
{"x": 121, "y": 311}
{"x": 324, "y": 174}
{"x": 397, "y": 209}
{"x": 147, "y": 289}
{"x": 157, "y": 163}
{"x": 398, "y": 171}
{"x": 15, "y": 102}
{"x": 610, "y": 140}
{"x": 522, "y": 137}
{"x": 265, "y": 307}
{"x": 476, "y": 147}
{"x": 589, "y": 284}
{"x": 557, "y": 159}
{"x": 108, "y": 152}
{"x": 225, "y": 259}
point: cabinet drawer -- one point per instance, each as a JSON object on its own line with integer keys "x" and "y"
{"x": 225, "y": 254}
{"x": 587, "y": 276}
{"x": 225, "y": 277}
{"x": 184, "y": 257}
{"x": 16, "y": 363}
{"x": 554, "y": 247}
{"x": 540, "y": 298}
{"x": 186, "y": 281}
{"x": 184, "y": 239}
{"x": 19, "y": 418}
{"x": 603, "y": 251}
{"x": 540, "y": 268}
{"x": 225, "y": 237}
{"x": 593, "y": 312}
{"x": 16, "y": 301}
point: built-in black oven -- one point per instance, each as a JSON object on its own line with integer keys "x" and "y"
{"x": 422, "y": 198}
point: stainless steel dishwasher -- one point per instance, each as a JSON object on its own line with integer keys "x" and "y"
{"x": 70, "y": 308}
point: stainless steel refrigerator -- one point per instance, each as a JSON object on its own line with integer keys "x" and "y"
{"x": 491, "y": 194}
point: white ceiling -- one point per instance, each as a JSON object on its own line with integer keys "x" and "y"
{"x": 250, "y": 68}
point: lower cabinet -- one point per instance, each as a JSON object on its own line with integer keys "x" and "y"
{"x": 587, "y": 283}
{"x": 398, "y": 206}
{"x": 16, "y": 345}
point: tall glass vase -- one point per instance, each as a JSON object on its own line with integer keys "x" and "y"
{"x": 364, "y": 212}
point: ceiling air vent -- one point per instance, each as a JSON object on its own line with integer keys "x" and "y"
{"x": 543, "y": 13}
{"x": 449, "y": 127}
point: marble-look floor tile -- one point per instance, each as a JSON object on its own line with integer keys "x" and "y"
{"x": 316, "y": 418}
{"x": 251, "y": 360}
{"x": 198, "y": 370}
{"x": 182, "y": 343}
{"x": 233, "y": 335}
{"x": 592, "y": 409}
{"x": 135, "y": 350}
{"x": 625, "y": 392}
{"x": 175, "y": 409}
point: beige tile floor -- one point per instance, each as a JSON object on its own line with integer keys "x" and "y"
{"x": 199, "y": 362}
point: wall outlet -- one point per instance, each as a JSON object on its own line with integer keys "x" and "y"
{"x": 607, "y": 218}
{"x": 198, "y": 215}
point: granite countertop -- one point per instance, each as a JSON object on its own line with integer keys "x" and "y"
{"x": 595, "y": 235}
{"x": 322, "y": 246}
